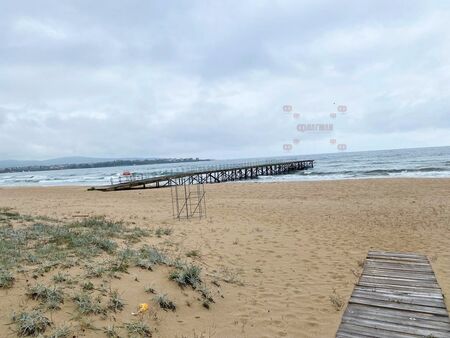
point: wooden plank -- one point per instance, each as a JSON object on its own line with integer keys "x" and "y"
{"x": 342, "y": 334}
{"x": 401, "y": 287}
{"x": 397, "y": 296}
{"x": 364, "y": 331}
{"x": 414, "y": 274}
{"x": 396, "y": 327}
{"x": 406, "y": 263}
{"x": 399, "y": 274}
{"x": 400, "y": 259}
{"x": 410, "y": 278}
{"x": 389, "y": 297}
{"x": 401, "y": 292}
{"x": 403, "y": 260}
{"x": 424, "y": 270}
{"x": 396, "y": 254}
{"x": 399, "y": 281}
{"x": 399, "y": 306}
{"x": 398, "y": 267}
{"x": 400, "y": 295}
{"x": 395, "y": 266}
{"x": 401, "y": 317}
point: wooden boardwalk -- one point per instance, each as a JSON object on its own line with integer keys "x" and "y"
{"x": 397, "y": 296}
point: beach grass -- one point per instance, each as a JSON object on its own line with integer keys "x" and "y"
{"x": 6, "y": 279}
{"x": 61, "y": 332}
{"x": 87, "y": 305}
{"x": 98, "y": 249}
{"x": 31, "y": 323}
{"x": 186, "y": 275}
{"x": 138, "y": 329}
{"x": 164, "y": 302}
{"x": 115, "y": 303}
{"x": 110, "y": 331}
{"x": 51, "y": 297}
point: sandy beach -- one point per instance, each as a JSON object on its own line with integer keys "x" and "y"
{"x": 271, "y": 254}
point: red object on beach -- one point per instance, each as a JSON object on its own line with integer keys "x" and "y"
{"x": 126, "y": 173}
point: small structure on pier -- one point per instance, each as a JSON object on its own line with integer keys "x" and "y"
{"x": 215, "y": 174}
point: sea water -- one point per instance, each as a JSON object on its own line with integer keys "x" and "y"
{"x": 418, "y": 162}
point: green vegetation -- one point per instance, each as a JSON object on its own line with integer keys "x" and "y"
{"x": 138, "y": 329}
{"x": 62, "y": 278}
{"x": 149, "y": 289}
{"x": 87, "y": 306}
{"x": 31, "y": 323}
{"x": 115, "y": 302}
{"x": 87, "y": 286}
{"x": 52, "y": 298}
{"x": 93, "y": 248}
{"x": 164, "y": 302}
{"x": 163, "y": 231}
{"x": 61, "y": 332}
{"x": 151, "y": 256}
{"x": 187, "y": 275}
{"x": 206, "y": 296}
{"x": 47, "y": 245}
{"x": 193, "y": 253}
{"x": 94, "y": 271}
{"x": 110, "y": 331}
{"x": 6, "y": 279}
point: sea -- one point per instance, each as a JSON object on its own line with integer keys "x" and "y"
{"x": 418, "y": 162}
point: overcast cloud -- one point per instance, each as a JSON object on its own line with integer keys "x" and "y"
{"x": 209, "y": 79}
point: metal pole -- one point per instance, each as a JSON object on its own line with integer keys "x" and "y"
{"x": 185, "y": 197}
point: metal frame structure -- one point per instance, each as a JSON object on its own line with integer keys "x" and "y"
{"x": 188, "y": 203}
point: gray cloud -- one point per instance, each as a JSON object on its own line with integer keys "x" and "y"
{"x": 195, "y": 79}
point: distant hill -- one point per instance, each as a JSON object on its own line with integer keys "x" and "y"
{"x": 10, "y": 166}
{"x": 58, "y": 161}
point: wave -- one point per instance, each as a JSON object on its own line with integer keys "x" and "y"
{"x": 374, "y": 172}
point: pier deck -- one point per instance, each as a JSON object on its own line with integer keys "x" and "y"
{"x": 397, "y": 296}
{"x": 212, "y": 175}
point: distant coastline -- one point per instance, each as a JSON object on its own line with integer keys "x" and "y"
{"x": 103, "y": 164}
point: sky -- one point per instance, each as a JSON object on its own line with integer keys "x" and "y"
{"x": 222, "y": 79}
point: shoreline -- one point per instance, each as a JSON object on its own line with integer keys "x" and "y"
{"x": 244, "y": 182}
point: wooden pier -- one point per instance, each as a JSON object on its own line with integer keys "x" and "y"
{"x": 211, "y": 175}
{"x": 397, "y": 296}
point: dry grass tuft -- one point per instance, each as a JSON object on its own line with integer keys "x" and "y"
{"x": 337, "y": 301}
